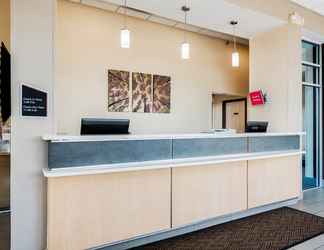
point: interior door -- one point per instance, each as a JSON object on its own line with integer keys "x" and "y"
{"x": 235, "y": 115}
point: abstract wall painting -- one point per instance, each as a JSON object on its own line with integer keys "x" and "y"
{"x": 141, "y": 92}
{"x": 161, "y": 94}
{"x": 118, "y": 91}
{"x": 150, "y": 93}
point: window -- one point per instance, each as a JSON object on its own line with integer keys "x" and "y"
{"x": 311, "y": 53}
{"x": 311, "y": 70}
{"x": 311, "y": 63}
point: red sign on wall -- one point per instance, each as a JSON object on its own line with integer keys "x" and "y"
{"x": 257, "y": 98}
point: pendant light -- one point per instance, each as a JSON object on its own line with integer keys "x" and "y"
{"x": 125, "y": 33}
{"x": 235, "y": 53}
{"x": 185, "y": 46}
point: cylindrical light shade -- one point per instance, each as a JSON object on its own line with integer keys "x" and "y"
{"x": 185, "y": 51}
{"x": 125, "y": 38}
{"x": 235, "y": 59}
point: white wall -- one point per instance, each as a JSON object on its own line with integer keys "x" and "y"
{"x": 88, "y": 45}
{"x": 275, "y": 67}
{"x": 32, "y": 49}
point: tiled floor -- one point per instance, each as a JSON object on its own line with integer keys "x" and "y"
{"x": 313, "y": 202}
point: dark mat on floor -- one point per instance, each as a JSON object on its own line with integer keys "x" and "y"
{"x": 277, "y": 229}
{"x": 5, "y": 231}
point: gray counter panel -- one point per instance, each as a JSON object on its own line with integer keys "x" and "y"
{"x": 187, "y": 148}
{"x": 71, "y": 154}
{"x": 273, "y": 143}
{"x": 91, "y": 153}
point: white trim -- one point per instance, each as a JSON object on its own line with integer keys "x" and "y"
{"x": 304, "y": 38}
{"x": 311, "y": 85}
{"x": 311, "y": 64}
{"x": 320, "y": 129}
{"x": 77, "y": 138}
{"x": 5, "y": 211}
{"x": 150, "y": 165}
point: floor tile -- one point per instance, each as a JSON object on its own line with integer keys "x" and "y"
{"x": 315, "y": 243}
{"x": 314, "y": 208}
{"x": 313, "y": 202}
{"x": 314, "y": 195}
{"x": 320, "y": 214}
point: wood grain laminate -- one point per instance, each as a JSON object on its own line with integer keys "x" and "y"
{"x": 203, "y": 192}
{"x": 87, "y": 211}
{"x": 273, "y": 180}
{"x": 4, "y": 181}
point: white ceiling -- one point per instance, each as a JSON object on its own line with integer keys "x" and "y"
{"x": 314, "y": 5}
{"x": 209, "y": 14}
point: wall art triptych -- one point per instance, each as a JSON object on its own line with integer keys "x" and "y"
{"x": 118, "y": 91}
{"x": 141, "y": 92}
{"x": 149, "y": 93}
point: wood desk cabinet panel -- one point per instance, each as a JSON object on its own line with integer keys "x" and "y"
{"x": 88, "y": 211}
{"x": 4, "y": 181}
{"x": 273, "y": 180}
{"x": 204, "y": 192}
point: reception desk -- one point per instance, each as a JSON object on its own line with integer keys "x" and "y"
{"x": 122, "y": 191}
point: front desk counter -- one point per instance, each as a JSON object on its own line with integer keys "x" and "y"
{"x": 114, "y": 192}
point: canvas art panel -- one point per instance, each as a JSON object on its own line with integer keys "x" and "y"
{"x": 161, "y": 94}
{"x": 118, "y": 91}
{"x": 141, "y": 92}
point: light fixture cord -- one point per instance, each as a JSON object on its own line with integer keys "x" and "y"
{"x": 234, "y": 37}
{"x": 125, "y": 14}
{"x": 185, "y": 33}
{"x": 186, "y": 17}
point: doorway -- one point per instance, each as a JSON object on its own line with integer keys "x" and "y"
{"x": 229, "y": 112}
{"x": 235, "y": 115}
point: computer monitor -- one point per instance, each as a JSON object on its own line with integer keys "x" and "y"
{"x": 256, "y": 127}
{"x": 5, "y": 82}
{"x": 92, "y": 126}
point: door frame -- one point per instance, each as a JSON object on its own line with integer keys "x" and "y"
{"x": 224, "y": 109}
{"x": 319, "y": 137}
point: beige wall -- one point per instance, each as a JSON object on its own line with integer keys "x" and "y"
{"x": 5, "y": 22}
{"x": 87, "y": 45}
{"x": 275, "y": 67}
{"x": 32, "y": 47}
{"x": 281, "y": 9}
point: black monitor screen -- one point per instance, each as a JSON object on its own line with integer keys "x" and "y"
{"x": 104, "y": 126}
{"x": 256, "y": 127}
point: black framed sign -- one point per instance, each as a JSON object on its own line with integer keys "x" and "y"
{"x": 33, "y": 101}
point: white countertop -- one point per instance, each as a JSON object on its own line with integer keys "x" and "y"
{"x": 78, "y": 138}
{"x": 5, "y": 137}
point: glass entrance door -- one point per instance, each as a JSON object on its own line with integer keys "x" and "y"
{"x": 311, "y": 113}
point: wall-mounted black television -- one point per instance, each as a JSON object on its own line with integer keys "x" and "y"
{"x": 5, "y": 82}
